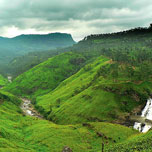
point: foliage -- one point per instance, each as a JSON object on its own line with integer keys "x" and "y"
{"x": 45, "y": 76}
{"x": 3, "y": 81}
{"x": 140, "y": 143}
{"x": 23, "y": 133}
{"x": 94, "y": 94}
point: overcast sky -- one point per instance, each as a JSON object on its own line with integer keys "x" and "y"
{"x": 78, "y": 17}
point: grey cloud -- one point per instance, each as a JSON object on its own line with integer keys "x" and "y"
{"x": 80, "y": 17}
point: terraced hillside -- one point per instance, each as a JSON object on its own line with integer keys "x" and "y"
{"x": 95, "y": 94}
{"x": 24, "y": 133}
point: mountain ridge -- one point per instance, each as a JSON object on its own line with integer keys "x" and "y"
{"x": 22, "y": 44}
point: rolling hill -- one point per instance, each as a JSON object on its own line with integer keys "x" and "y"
{"x": 47, "y": 75}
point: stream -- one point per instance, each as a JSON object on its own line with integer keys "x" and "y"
{"x": 145, "y": 120}
{"x": 9, "y": 79}
{"x": 28, "y": 108}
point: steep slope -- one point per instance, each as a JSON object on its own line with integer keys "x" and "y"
{"x": 23, "y": 133}
{"x": 101, "y": 91}
{"x": 46, "y": 76}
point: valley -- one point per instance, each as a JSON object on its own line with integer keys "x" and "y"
{"x": 84, "y": 98}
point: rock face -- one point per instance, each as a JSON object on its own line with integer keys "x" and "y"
{"x": 67, "y": 149}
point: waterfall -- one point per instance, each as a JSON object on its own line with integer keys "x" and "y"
{"x": 9, "y": 79}
{"x": 146, "y": 114}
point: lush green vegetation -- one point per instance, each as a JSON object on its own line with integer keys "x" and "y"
{"x": 23, "y": 133}
{"x": 3, "y": 81}
{"x": 140, "y": 143}
{"x": 46, "y": 76}
{"x": 120, "y": 77}
{"x": 101, "y": 79}
{"x": 94, "y": 94}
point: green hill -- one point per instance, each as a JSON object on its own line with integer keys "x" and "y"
{"x": 140, "y": 143}
{"x": 108, "y": 89}
{"x": 46, "y": 76}
{"x": 23, "y": 63}
{"x": 3, "y": 81}
{"x": 23, "y": 133}
{"x": 94, "y": 94}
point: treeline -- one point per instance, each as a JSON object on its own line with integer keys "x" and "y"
{"x": 131, "y": 32}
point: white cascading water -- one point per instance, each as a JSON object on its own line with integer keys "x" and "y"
{"x": 9, "y": 79}
{"x": 146, "y": 114}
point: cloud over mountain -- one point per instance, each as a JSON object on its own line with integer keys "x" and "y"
{"x": 77, "y": 17}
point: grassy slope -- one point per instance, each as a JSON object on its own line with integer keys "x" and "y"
{"x": 20, "y": 133}
{"x": 3, "y": 81}
{"x": 140, "y": 143}
{"x": 46, "y": 76}
{"x": 86, "y": 97}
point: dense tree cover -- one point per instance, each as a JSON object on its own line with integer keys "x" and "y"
{"x": 133, "y": 46}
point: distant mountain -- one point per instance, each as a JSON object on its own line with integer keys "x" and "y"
{"x": 22, "y": 44}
